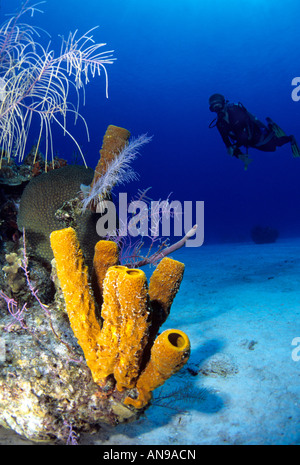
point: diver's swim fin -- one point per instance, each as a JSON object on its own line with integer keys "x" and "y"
{"x": 275, "y": 128}
{"x": 295, "y": 148}
{"x": 280, "y": 133}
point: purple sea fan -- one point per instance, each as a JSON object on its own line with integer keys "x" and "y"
{"x": 119, "y": 171}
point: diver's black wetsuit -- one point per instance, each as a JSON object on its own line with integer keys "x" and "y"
{"x": 239, "y": 128}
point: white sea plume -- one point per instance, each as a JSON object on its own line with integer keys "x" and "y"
{"x": 36, "y": 82}
{"x": 119, "y": 171}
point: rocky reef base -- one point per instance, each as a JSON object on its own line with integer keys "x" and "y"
{"x": 46, "y": 390}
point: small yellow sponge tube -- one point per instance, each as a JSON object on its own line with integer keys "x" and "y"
{"x": 110, "y": 333}
{"x": 114, "y": 141}
{"x": 169, "y": 353}
{"x": 163, "y": 287}
{"x": 135, "y": 322}
{"x": 80, "y": 304}
{"x": 106, "y": 255}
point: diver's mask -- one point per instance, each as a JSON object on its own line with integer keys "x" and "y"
{"x": 216, "y": 107}
{"x": 216, "y": 103}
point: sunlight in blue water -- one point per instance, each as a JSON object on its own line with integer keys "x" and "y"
{"x": 171, "y": 56}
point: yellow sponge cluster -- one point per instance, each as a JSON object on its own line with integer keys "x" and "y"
{"x": 124, "y": 334}
{"x": 131, "y": 316}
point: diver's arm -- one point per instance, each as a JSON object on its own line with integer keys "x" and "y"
{"x": 224, "y": 134}
{"x": 226, "y": 140}
{"x": 235, "y": 151}
{"x": 242, "y": 156}
{"x": 232, "y": 151}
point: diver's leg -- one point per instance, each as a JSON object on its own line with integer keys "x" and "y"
{"x": 275, "y": 128}
{"x": 282, "y": 138}
{"x": 280, "y": 141}
{"x": 269, "y": 146}
{"x": 275, "y": 142}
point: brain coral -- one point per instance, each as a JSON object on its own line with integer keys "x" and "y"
{"x": 39, "y": 202}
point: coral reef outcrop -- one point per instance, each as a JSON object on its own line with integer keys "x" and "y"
{"x": 15, "y": 278}
{"x": 117, "y": 348}
{"x": 42, "y": 197}
{"x": 80, "y": 362}
{"x": 92, "y": 355}
{"x": 13, "y": 174}
{"x": 46, "y": 388}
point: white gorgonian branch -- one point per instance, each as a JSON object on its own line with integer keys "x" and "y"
{"x": 119, "y": 171}
{"x": 36, "y": 82}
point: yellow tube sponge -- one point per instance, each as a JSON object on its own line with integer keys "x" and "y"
{"x": 106, "y": 255}
{"x": 122, "y": 346}
{"x": 111, "y": 329}
{"x": 163, "y": 287}
{"x": 114, "y": 141}
{"x": 73, "y": 276}
{"x": 135, "y": 321}
{"x": 169, "y": 353}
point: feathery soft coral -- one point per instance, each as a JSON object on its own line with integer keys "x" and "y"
{"x": 119, "y": 171}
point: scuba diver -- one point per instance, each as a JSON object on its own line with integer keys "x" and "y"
{"x": 238, "y": 128}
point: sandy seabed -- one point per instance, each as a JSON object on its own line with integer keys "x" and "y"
{"x": 240, "y": 306}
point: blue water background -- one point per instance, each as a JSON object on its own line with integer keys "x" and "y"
{"x": 171, "y": 56}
